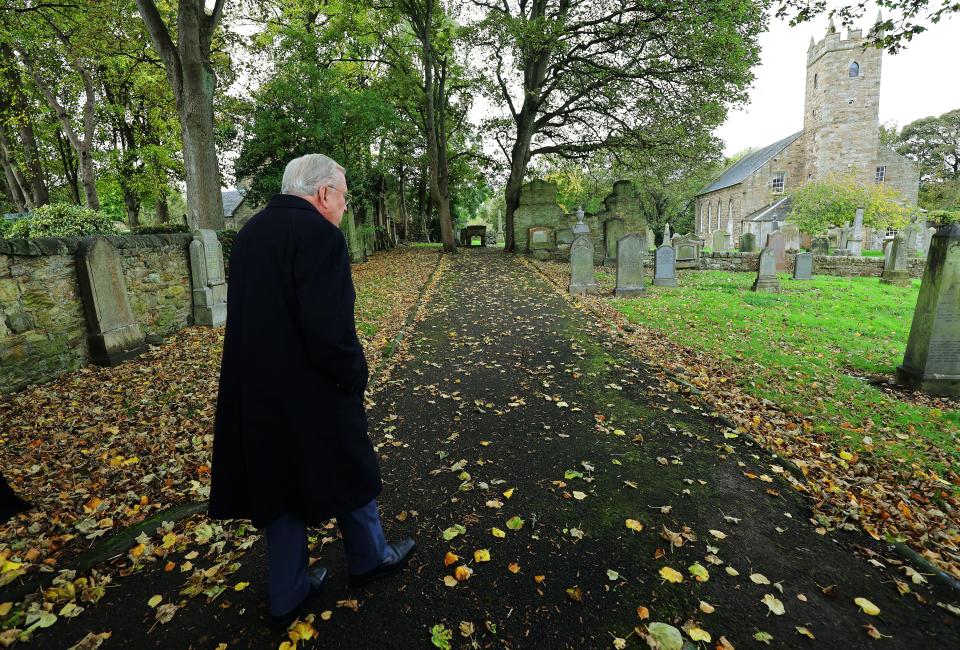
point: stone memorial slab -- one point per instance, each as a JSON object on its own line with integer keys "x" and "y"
{"x": 927, "y": 240}
{"x": 803, "y": 266}
{"x": 665, "y": 267}
{"x": 112, "y": 332}
{"x": 207, "y": 275}
{"x": 910, "y": 233}
{"x": 613, "y": 230}
{"x": 791, "y": 237}
{"x": 541, "y": 242}
{"x": 931, "y": 362}
{"x": 687, "y": 248}
{"x": 582, "y": 279}
{"x": 720, "y": 241}
{"x": 748, "y": 243}
{"x": 820, "y": 246}
{"x": 631, "y": 252}
{"x": 767, "y": 273}
{"x": 855, "y": 243}
{"x": 666, "y": 233}
{"x": 895, "y": 268}
{"x": 777, "y": 243}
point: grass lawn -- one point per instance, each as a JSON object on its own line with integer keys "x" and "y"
{"x": 813, "y": 350}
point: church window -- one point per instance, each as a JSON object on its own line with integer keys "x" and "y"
{"x": 854, "y": 69}
{"x": 709, "y": 215}
{"x": 776, "y": 183}
{"x": 730, "y": 215}
{"x": 881, "y": 174}
{"x": 814, "y": 79}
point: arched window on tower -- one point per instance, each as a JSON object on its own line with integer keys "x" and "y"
{"x": 854, "y": 69}
{"x": 815, "y": 80}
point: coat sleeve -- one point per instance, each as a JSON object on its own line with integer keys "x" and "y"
{"x": 325, "y": 297}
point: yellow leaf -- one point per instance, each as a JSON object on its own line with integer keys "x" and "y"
{"x": 450, "y": 558}
{"x": 513, "y": 567}
{"x": 699, "y": 572}
{"x": 538, "y": 579}
{"x": 732, "y": 572}
{"x": 508, "y": 493}
{"x": 169, "y": 540}
{"x": 805, "y": 632}
{"x": 718, "y": 534}
{"x": 326, "y": 615}
{"x": 643, "y": 613}
{"x": 137, "y": 550}
{"x": 133, "y": 460}
{"x": 846, "y": 455}
{"x": 5, "y": 608}
{"x": 698, "y": 634}
{"x": 633, "y": 524}
{"x": 759, "y": 579}
{"x": 707, "y": 608}
{"x": 116, "y": 461}
{"x": 481, "y": 555}
{"x": 156, "y": 600}
{"x": 498, "y": 533}
{"x": 671, "y": 575}
{"x": 775, "y": 605}
{"x": 192, "y": 555}
{"x": 450, "y": 581}
{"x": 463, "y": 572}
{"x": 579, "y": 496}
{"x": 240, "y": 586}
{"x": 575, "y": 593}
{"x": 867, "y": 606}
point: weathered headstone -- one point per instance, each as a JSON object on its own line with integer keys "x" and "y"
{"x": 612, "y": 233}
{"x": 748, "y": 243}
{"x": 803, "y": 266}
{"x": 631, "y": 252}
{"x": 895, "y": 267}
{"x": 687, "y": 248}
{"x": 720, "y": 241}
{"x": 855, "y": 243}
{"x": 820, "y": 246}
{"x": 791, "y": 237}
{"x": 776, "y": 243}
{"x": 113, "y": 334}
{"x": 665, "y": 267}
{"x": 910, "y": 239}
{"x": 931, "y": 362}
{"x": 833, "y": 237}
{"x": 844, "y": 238}
{"x": 767, "y": 273}
{"x": 928, "y": 239}
{"x": 209, "y": 283}
{"x": 582, "y": 280}
{"x": 541, "y": 242}
{"x": 650, "y": 239}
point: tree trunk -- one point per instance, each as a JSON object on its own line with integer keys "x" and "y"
{"x": 18, "y": 184}
{"x": 519, "y": 157}
{"x": 404, "y": 213}
{"x": 69, "y": 166}
{"x": 38, "y": 188}
{"x": 132, "y": 204}
{"x": 13, "y": 187}
{"x": 163, "y": 209}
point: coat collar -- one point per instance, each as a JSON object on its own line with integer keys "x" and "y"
{"x": 291, "y": 201}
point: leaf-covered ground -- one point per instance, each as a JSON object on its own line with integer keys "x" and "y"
{"x": 102, "y": 448}
{"x": 562, "y": 495}
{"x": 807, "y": 372}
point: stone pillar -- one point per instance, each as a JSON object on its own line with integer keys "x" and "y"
{"x": 931, "y": 362}
{"x": 209, "y": 285}
{"x": 666, "y": 234}
{"x": 582, "y": 280}
{"x": 855, "y": 244}
{"x": 113, "y": 334}
{"x": 631, "y": 252}
{"x": 895, "y": 267}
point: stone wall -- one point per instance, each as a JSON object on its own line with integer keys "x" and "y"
{"x": 42, "y": 327}
{"x": 822, "y": 264}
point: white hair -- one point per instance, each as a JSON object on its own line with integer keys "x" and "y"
{"x": 307, "y": 174}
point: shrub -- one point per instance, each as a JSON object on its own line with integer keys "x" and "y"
{"x": 226, "y": 238}
{"x": 162, "y": 229}
{"x": 5, "y": 227}
{"x": 833, "y": 201}
{"x": 63, "y": 220}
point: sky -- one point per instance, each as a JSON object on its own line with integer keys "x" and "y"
{"x": 919, "y": 81}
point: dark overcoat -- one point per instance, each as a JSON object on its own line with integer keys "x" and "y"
{"x": 291, "y": 431}
{"x": 10, "y": 503}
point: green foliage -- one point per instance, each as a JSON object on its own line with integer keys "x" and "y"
{"x": 226, "y": 239}
{"x": 5, "y": 227}
{"x": 163, "y": 229}
{"x": 819, "y": 205}
{"x": 940, "y": 195}
{"x": 64, "y": 220}
{"x": 944, "y": 216}
{"x": 934, "y": 144}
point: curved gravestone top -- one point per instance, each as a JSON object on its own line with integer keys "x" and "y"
{"x": 538, "y": 192}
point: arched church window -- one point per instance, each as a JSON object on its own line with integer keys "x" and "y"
{"x": 730, "y": 213}
{"x": 854, "y": 69}
{"x": 709, "y": 215}
{"x": 815, "y": 80}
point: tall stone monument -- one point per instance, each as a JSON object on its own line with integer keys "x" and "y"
{"x": 931, "y": 362}
{"x": 767, "y": 273}
{"x": 666, "y": 233}
{"x": 209, "y": 284}
{"x": 582, "y": 279}
{"x": 665, "y": 267}
{"x": 112, "y": 332}
{"x": 777, "y": 243}
{"x": 791, "y": 237}
{"x": 855, "y": 243}
{"x": 631, "y": 252}
{"x": 895, "y": 267}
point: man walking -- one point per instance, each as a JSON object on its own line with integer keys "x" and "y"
{"x": 290, "y": 446}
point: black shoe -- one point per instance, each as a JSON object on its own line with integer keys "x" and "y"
{"x": 401, "y": 553}
{"x": 317, "y": 578}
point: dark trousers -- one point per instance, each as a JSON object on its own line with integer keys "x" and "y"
{"x": 363, "y": 540}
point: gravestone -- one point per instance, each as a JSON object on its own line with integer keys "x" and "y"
{"x": 855, "y": 244}
{"x": 910, "y": 239}
{"x": 666, "y": 233}
{"x": 209, "y": 283}
{"x": 113, "y": 334}
{"x": 541, "y": 242}
{"x": 612, "y": 233}
{"x": 720, "y": 241}
{"x": 767, "y": 273}
{"x": 874, "y": 239}
{"x": 491, "y": 238}
{"x": 833, "y": 238}
{"x": 631, "y": 252}
{"x": 582, "y": 280}
{"x": 665, "y": 267}
{"x": 844, "y": 237}
{"x": 820, "y": 246}
{"x": 651, "y": 241}
{"x": 687, "y": 248}
{"x": 776, "y": 243}
{"x": 895, "y": 267}
{"x": 803, "y": 266}
{"x": 791, "y": 237}
{"x": 931, "y": 362}
{"x": 748, "y": 243}
{"x": 580, "y": 228}
{"x": 928, "y": 239}
{"x": 538, "y": 207}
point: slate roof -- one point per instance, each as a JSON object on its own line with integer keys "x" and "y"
{"x": 231, "y": 201}
{"x": 776, "y": 212}
{"x": 750, "y": 163}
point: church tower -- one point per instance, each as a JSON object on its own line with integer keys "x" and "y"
{"x": 841, "y": 119}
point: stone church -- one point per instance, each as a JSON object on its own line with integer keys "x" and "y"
{"x": 841, "y": 135}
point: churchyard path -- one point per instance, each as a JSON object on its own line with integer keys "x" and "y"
{"x": 585, "y": 505}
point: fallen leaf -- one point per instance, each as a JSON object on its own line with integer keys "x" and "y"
{"x": 759, "y": 578}
{"x": 805, "y": 632}
{"x": 463, "y": 572}
{"x": 508, "y": 493}
{"x": 450, "y": 558}
{"x": 718, "y": 534}
{"x": 513, "y": 567}
{"x": 763, "y": 637}
{"x": 665, "y": 637}
{"x": 707, "y": 608}
{"x": 349, "y": 603}
{"x": 633, "y": 524}
{"x": 575, "y": 593}
{"x": 671, "y": 575}
{"x": 867, "y": 606}
{"x": 643, "y": 613}
{"x": 699, "y": 572}
{"x": 450, "y": 581}
{"x": 154, "y": 601}
{"x": 515, "y": 523}
{"x": 481, "y": 555}
{"x": 775, "y": 605}
{"x": 579, "y": 496}
{"x": 165, "y": 612}
{"x": 613, "y": 575}
{"x": 496, "y": 532}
